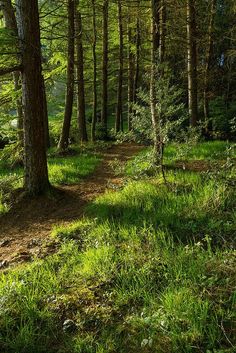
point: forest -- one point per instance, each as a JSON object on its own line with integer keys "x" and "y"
{"x": 117, "y": 176}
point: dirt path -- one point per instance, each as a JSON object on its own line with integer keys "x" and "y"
{"x": 25, "y": 230}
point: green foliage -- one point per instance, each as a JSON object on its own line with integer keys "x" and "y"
{"x": 223, "y": 117}
{"x": 171, "y": 112}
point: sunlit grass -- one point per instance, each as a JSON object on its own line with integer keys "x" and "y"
{"x": 62, "y": 170}
{"x": 69, "y": 170}
{"x": 150, "y": 269}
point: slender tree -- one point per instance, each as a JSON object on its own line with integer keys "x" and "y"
{"x": 80, "y": 79}
{"x": 208, "y": 67}
{"x": 10, "y": 23}
{"x": 64, "y": 139}
{"x": 137, "y": 53}
{"x": 131, "y": 69}
{"x": 162, "y": 28}
{"x": 104, "y": 110}
{"x": 192, "y": 62}
{"x": 155, "y": 38}
{"x": 36, "y": 173}
{"x": 119, "y": 106}
{"x": 94, "y": 118}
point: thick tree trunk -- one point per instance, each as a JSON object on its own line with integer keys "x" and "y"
{"x": 80, "y": 80}
{"x": 157, "y": 142}
{"x": 119, "y": 113}
{"x": 209, "y": 59}
{"x": 105, "y": 67}
{"x": 94, "y": 118}
{"x": 10, "y": 23}
{"x": 36, "y": 173}
{"x": 192, "y": 63}
{"x": 65, "y": 134}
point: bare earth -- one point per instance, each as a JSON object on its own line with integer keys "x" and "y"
{"x": 25, "y": 230}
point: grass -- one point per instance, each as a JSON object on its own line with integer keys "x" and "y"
{"x": 150, "y": 269}
{"x": 62, "y": 170}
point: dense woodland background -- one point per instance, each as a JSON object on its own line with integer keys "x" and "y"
{"x": 117, "y": 176}
{"x": 99, "y": 53}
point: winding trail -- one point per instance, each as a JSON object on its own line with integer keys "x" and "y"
{"x": 25, "y": 230}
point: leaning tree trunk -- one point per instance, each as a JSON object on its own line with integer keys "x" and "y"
{"x": 208, "y": 66}
{"x": 153, "y": 100}
{"x": 64, "y": 140}
{"x": 192, "y": 63}
{"x": 105, "y": 67}
{"x": 94, "y": 118}
{"x": 36, "y": 173}
{"x": 10, "y": 22}
{"x": 80, "y": 79}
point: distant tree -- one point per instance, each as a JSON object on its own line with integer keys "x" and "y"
{"x": 80, "y": 78}
{"x": 192, "y": 62}
{"x": 64, "y": 139}
{"x": 104, "y": 110}
{"x": 119, "y": 106}
{"x": 94, "y": 118}
{"x": 10, "y": 23}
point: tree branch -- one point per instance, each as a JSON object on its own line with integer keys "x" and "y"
{"x": 8, "y": 70}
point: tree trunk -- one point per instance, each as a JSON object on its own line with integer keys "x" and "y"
{"x": 10, "y": 23}
{"x": 153, "y": 101}
{"x": 192, "y": 63}
{"x": 209, "y": 59}
{"x": 131, "y": 72}
{"x": 137, "y": 53}
{"x": 162, "y": 46}
{"x": 105, "y": 67}
{"x": 94, "y": 118}
{"x": 80, "y": 80}
{"x": 119, "y": 113}
{"x": 36, "y": 173}
{"x": 64, "y": 140}
{"x": 45, "y": 109}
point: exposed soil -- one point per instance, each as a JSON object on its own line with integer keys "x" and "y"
{"x": 25, "y": 229}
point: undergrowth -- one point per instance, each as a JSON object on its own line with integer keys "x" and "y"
{"x": 150, "y": 269}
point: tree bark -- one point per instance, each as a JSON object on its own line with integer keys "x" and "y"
{"x": 119, "y": 113}
{"x": 192, "y": 63}
{"x": 157, "y": 143}
{"x": 137, "y": 53}
{"x": 65, "y": 134}
{"x": 105, "y": 67}
{"x": 208, "y": 66}
{"x": 45, "y": 121}
{"x": 36, "y": 173}
{"x": 162, "y": 46}
{"x": 94, "y": 118}
{"x": 80, "y": 79}
{"x": 131, "y": 71}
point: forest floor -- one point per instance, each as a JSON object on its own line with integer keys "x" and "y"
{"x": 125, "y": 261}
{"x": 26, "y": 228}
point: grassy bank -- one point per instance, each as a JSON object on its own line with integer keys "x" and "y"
{"x": 150, "y": 269}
